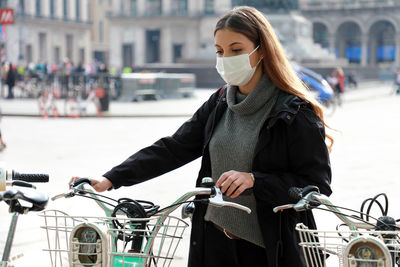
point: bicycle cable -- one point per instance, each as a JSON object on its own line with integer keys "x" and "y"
{"x": 346, "y": 215}
{"x": 180, "y": 203}
{"x": 372, "y": 201}
{"x": 354, "y": 216}
{"x": 102, "y": 201}
{"x": 83, "y": 192}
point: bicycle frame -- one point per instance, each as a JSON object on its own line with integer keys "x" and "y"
{"x": 10, "y": 239}
{"x": 161, "y": 229}
{"x": 12, "y": 197}
{"x": 120, "y": 260}
{"x": 303, "y": 204}
{"x": 363, "y": 242}
{"x": 75, "y": 106}
{"x": 47, "y": 105}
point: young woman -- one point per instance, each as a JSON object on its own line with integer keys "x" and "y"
{"x": 258, "y": 136}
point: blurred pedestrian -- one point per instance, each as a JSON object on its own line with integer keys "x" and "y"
{"x": 336, "y": 81}
{"x": 340, "y": 76}
{"x": 102, "y": 68}
{"x": 261, "y": 134}
{"x": 80, "y": 69}
{"x": 397, "y": 82}
{"x": 11, "y": 77}
{"x": 2, "y": 144}
{"x": 4, "y": 71}
{"x": 351, "y": 80}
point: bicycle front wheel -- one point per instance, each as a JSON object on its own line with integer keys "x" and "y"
{"x": 72, "y": 108}
{"x": 329, "y": 106}
{"x": 42, "y": 107}
{"x": 94, "y": 107}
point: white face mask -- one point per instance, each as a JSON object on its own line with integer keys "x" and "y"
{"x": 236, "y": 70}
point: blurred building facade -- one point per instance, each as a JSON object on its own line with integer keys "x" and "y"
{"x": 126, "y": 33}
{"x": 362, "y": 32}
{"x": 366, "y": 32}
{"x": 164, "y": 32}
{"x": 47, "y": 31}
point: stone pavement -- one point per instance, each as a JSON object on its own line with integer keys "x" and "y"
{"x": 364, "y": 158}
{"x": 183, "y": 107}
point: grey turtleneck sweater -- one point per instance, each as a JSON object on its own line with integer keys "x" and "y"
{"x": 232, "y": 147}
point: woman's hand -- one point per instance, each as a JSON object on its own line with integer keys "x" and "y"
{"x": 99, "y": 184}
{"x": 234, "y": 183}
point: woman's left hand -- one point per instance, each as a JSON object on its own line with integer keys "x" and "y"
{"x": 234, "y": 183}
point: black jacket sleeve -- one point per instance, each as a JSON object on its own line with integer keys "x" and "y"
{"x": 166, "y": 154}
{"x": 306, "y": 154}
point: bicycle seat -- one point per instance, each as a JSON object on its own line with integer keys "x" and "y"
{"x": 38, "y": 199}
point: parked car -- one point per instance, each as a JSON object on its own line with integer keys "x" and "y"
{"x": 318, "y": 85}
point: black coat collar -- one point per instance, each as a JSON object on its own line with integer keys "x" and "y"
{"x": 286, "y": 107}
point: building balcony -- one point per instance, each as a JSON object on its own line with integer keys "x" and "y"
{"x": 158, "y": 14}
{"x": 346, "y": 4}
{"x": 52, "y": 19}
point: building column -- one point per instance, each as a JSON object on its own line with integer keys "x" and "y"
{"x": 332, "y": 43}
{"x": 397, "y": 56}
{"x": 140, "y": 46}
{"x": 192, "y": 44}
{"x": 166, "y": 7}
{"x": 141, "y": 7}
{"x": 222, "y": 6}
{"x": 373, "y": 50}
{"x": 193, "y": 8}
{"x": 364, "y": 49}
{"x": 166, "y": 45}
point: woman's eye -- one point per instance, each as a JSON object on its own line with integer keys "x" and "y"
{"x": 219, "y": 53}
{"x": 237, "y": 50}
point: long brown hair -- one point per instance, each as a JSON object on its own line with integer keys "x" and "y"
{"x": 252, "y": 23}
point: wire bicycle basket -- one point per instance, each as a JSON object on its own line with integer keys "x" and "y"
{"x": 95, "y": 241}
{"x": 358, "y": 248}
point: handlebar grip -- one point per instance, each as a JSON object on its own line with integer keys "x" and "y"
{"x": 31, "y": 178}
{"x": 295, "y": 193}
{"x": 80, "y": 181}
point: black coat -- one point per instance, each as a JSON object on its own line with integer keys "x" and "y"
{"x": 11, "y": 77}
{"x": 290, "y": 151}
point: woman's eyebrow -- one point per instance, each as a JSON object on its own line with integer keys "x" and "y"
{"x": 234, "y": 43}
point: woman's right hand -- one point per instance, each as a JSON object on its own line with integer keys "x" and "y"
{"x": 99, "y": 184}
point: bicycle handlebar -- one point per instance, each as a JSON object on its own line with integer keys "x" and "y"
{"x": 30, "y": 177}
{"x": 215, "y": 194}
{"x": 76, "y": 186}
{"x": 313, "y": 199}
{"x": 10, "y": 175}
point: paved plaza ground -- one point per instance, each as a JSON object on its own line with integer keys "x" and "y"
{"x": 364, "y": 158}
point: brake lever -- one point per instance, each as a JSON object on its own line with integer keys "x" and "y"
{"x": 218, "y": 201}
{"x": 71, "y": 193}
{"x": 20, "y": 183}
{"x": 305, "y": 203}
{"x": 77, "y": 186}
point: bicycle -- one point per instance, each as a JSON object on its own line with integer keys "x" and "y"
{"x": 17, "y": 200}
{"x": 395, "y": 89}
{"x": 361, "y": 244}
{"x": 132, "y": 233}
{"x": 47, "y": 105}
{"x": 319, "y": 87}
{"x": 75, "y": 106}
